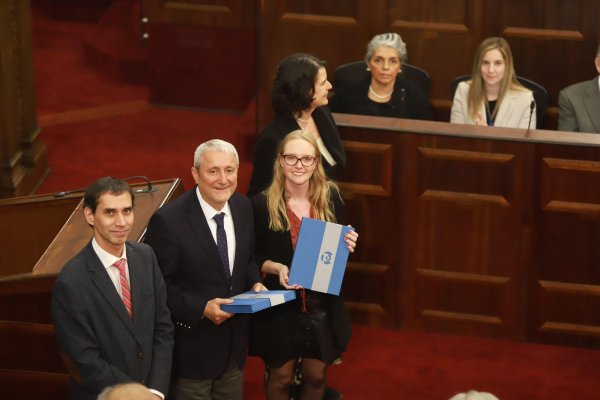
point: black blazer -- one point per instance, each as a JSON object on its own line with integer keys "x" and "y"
{"x": 194, "y": 274}
{"x": 94, "y": 331}
{"x": 273, "y": 134}
{"x": 277, "y": 246}
{"x": 408, "y": 100}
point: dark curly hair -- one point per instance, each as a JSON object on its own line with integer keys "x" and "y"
{"x": 294, "y": 83}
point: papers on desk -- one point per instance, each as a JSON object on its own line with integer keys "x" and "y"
{"x": 251, "y": 302}
{"x": 320, "y": 257}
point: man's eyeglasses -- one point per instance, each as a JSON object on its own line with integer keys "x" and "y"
{"x": 292, "y": 160}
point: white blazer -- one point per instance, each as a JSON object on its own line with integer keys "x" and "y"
{"x": 514, "y": 111}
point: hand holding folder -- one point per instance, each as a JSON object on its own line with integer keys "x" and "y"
{"x": 321, "y": 254}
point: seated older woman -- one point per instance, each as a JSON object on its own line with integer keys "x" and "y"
{"x": 384, "y": 92}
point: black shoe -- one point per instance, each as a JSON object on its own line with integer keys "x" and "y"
{"x": 331, "y": 394}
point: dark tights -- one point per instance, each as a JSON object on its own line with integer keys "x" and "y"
{"x": 313, "y": 380}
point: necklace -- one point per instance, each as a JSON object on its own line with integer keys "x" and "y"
{"x": 304, "y": 121}
{"x": 378, "y": 95}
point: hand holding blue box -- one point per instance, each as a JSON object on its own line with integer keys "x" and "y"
{"x": 251, "y": 302}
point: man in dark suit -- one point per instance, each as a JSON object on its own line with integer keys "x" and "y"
{"x": 204, "y": 242}
{"x": 580, "y": 105}
{"x": 109, "y": 303}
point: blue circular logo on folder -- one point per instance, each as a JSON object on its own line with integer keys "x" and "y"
{"x": 326, "y": 257}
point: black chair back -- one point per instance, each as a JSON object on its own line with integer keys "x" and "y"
{"x": 540, "y": 95}
{"x": 356, "y": 71}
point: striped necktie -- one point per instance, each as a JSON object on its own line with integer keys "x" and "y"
{"x": 125, "y": 292}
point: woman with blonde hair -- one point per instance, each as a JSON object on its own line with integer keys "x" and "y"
{"x": 315, "y": 327}
{"x": 493, "y": 96}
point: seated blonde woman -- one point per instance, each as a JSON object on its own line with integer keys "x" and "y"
{"x": 493, "y": 96}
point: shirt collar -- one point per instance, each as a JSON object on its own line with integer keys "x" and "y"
{"x": 105, "y": 257}
{"x": 208, "y": 210}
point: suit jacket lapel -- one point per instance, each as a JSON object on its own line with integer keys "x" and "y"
{"x": 503, "y": 117}
{"x": 591, "y": 100}
{"x": 107, "y": 289}
{"x": 200, "y": 227}
{"x": 239, "y": 240}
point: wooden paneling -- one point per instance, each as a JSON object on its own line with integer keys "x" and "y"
{"x": 201, "y": 53}
{"x": 367, "y": 286}
{"x": 485, "y": 231}
{"x": 467, "y": 234}
{"x": 41, "y": 217}
{"x": 23, "y": 162}
{"x": 553, "y": 41}
{"x": 567, "y": 278}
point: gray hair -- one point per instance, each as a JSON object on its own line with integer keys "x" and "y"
{"x": 215, "y": 145}
{"x": 474, "y": 395}
{"x": 392, "y": 40}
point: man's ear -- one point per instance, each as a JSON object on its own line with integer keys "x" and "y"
{"x": 195, "y": 174}
{"x": 88, "y": 215}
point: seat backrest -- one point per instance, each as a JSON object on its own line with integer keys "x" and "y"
{"x": 540, "y": 95}
{"x": 417, "y": 75}
{"x": 356, "y": 71}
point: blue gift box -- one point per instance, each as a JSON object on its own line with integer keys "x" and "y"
{"x": 251, "y": 302}
{"x": 320, "y": 258}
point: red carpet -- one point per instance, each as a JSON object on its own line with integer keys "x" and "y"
{"x": 390, "y": 364}
{"x": 157, "y": 143}
{"x": 95, "y": 126}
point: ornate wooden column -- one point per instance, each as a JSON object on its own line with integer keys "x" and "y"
{"x": 23, "y": 160}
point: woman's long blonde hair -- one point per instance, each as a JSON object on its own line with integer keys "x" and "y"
{"x": 320, "y": 188}
{"x": 509, "y": 80}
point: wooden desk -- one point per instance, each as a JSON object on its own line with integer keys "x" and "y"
{"x": 474, "y": 230}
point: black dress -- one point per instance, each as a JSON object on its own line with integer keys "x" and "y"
{"x": 273, "y": 134}
{"x": 408, "y": 100}
{"x": 278, "y": 334}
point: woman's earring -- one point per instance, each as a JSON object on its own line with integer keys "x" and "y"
{"x": 368, "y": 69}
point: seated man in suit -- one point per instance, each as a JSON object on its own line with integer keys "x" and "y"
{"x": 580, "y": 105}
{"x": 204, "y": 242}
{"x": 109, "y": 303}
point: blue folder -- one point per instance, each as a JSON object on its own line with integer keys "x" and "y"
{"x": 320, "y": 258}
{"x": 251, "y": 302}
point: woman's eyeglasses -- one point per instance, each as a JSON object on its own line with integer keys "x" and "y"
{"x": 292, "y": 160}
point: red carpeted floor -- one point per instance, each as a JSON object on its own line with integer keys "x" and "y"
{"x": 94, "y": 125}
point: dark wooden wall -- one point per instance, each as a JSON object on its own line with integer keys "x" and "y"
{"x": 553, "y": 41}
{"x": 23, "y": 163}
{"x": 211, "y": 44}
{"x": 476, "y": 231}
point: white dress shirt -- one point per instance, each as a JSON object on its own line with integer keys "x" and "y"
{"x": 108, "y": 260}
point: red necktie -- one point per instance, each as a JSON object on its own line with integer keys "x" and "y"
{"x": 125, "y": 293}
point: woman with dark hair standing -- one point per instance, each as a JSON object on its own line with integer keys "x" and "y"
{"x": 300, "y": 90}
